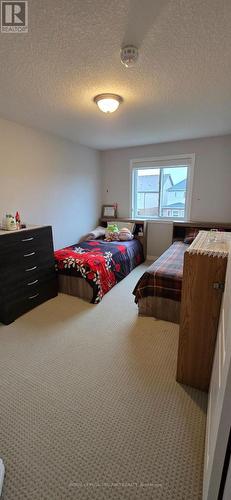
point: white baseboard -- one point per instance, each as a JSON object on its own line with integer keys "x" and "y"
{"x": 151, "y": 257}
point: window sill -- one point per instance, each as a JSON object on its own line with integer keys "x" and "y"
{"x": 161, "y": 221}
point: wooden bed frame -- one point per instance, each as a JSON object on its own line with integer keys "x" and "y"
{"x": 167, "y": 309}
{"x": 180, "y": 227}
{"x": 76, "y": 286}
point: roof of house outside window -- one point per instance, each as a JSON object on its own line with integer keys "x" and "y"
{"x": 180, "y": 186}
{"x": 150, "y": 183}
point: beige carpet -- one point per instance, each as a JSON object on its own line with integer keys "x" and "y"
{"x": 89, "y": 406}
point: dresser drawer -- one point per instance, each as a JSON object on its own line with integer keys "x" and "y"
{"x": 16, "y": 306}
{"x": 22, "y": 285}
{"x": 18, "y": 249}
{"x": 15, "y": 275}
{"x": 25, "y": 237}
{"x": 24, "y": 262}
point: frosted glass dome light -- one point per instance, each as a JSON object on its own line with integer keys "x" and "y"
{"x": 108, "y": 103}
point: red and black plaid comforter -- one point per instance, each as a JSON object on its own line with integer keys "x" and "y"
{"x": 164, "y": 277}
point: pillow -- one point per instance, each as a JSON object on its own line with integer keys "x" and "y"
{"x": 98, "y": 232}
{"x": 190, "y": 234}
{"x": 122, "y": 225}
{"x": 125, "y": 234}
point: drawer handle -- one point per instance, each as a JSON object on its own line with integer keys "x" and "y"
{"x": 33, "y": 296}
{"x": 219, "y": 286}
{"x": 31, "y": 269}
{"x": 32, "y": 283}
{"x": 29, "y": 254}
{"x": 28, "y": 239}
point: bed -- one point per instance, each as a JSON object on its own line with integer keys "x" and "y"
{"x": 91, "y": 268}
{"x": 158, "y": 292}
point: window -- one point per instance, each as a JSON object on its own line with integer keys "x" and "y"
{"x": 162, "y": 187}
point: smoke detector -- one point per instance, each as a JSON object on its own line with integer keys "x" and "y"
{"x": 129, "y": 55}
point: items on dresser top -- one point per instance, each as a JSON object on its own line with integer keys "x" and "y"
{"x": 11, "y": 222}
{"x": 27, "y": 271}
{"x": 203, "y": 282}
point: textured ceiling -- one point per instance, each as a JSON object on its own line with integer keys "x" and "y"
{"x": 179, "y": 88}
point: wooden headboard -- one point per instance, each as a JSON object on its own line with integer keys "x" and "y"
{"x": 179, "y": 228}
{"x": 140, "y": 229}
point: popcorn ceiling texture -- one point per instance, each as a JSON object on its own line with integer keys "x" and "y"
{"x": 90, "y": 408}
{"x": 179, "y": 88}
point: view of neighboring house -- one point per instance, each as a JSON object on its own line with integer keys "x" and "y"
{"x": 159, "y": 196}
{"x": 175, "y": 205}
{"x": 148, "y": 193}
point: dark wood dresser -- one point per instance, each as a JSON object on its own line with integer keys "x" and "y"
{"x": 27, "y": 271}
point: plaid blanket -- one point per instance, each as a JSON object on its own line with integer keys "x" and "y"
{"x": 164, "y": 277}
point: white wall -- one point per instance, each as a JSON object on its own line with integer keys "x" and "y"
{"x": 211, "y": 199}
{"x": 50, "y": 181}
{"x": 54, "y": 181}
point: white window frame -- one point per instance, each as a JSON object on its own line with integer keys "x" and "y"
{"x": 187, "y": 160}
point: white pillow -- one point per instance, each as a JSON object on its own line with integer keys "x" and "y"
{"x": 125, "y": 234}
{"x": 95, "y": 233}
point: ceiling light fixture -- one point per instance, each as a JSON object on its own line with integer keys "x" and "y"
{"x": 108, "y": 103}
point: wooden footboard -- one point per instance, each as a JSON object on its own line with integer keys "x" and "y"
{"x": 73, "y": 285}
{"x": 160, "y": 308}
